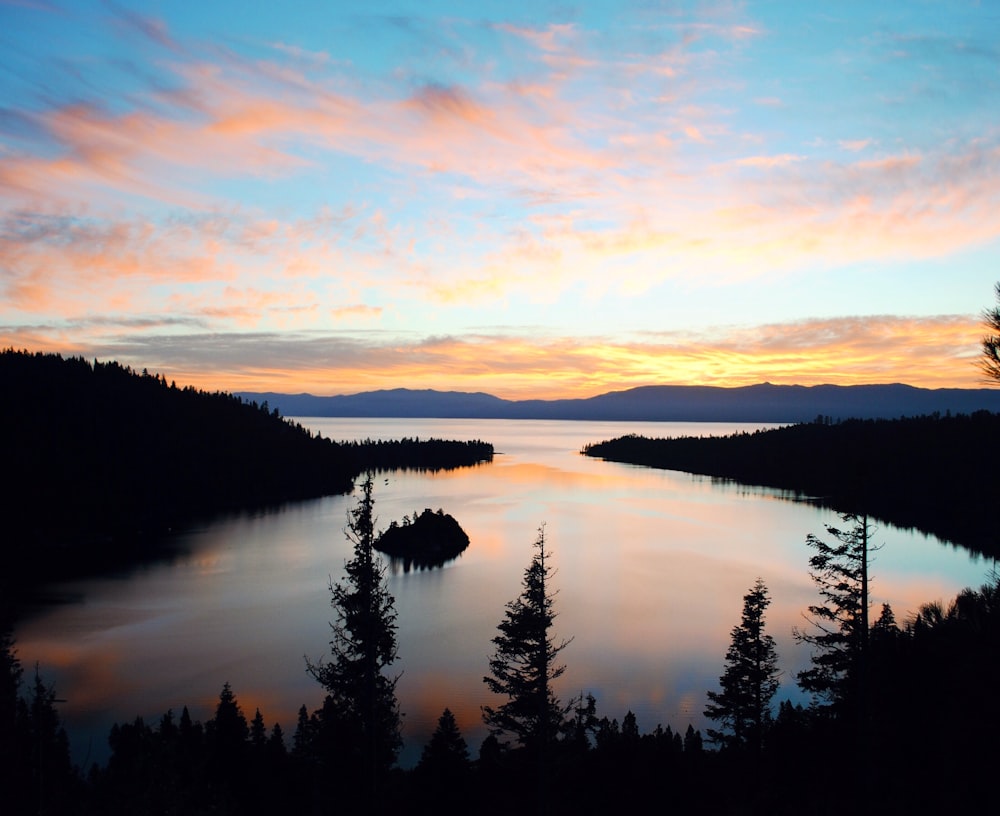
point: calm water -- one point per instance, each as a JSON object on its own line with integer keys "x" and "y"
{"x": 652, "y": 567}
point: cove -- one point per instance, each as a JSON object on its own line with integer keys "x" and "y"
{"x": 651, "y": 570}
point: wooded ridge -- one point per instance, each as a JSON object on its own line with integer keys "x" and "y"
{"x": 105, "y": 459}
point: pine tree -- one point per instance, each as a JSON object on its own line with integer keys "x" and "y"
{"x": 840, "y": 639}
{"x": 51, "y": 773}
{"x": 228, "y": 729}
{"x": 750, "y": 679}
{"x": 258, "y": 732}
{"x": 227, "y": 737}
{"x": 584, "y": 724}
{"x": 360, "y": 718}
{"x": 302, "y": 739}
{"x": 692, "y": 741}
{"x": 10, "y": 687}
{"x": 445, "y": 758}
{"x": 990, "y": 361}
{"x": 524, "y": 664}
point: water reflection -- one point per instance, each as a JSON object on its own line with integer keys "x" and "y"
{"x": 651, "y": 570}
{"x": 406, "y": 564}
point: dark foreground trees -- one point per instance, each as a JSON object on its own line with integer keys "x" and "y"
{"x": 359, "y": 723}
{"x": 742, "y": 706}
{"x": 36, "y": 775}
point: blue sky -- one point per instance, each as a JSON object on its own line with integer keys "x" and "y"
{"x": 528, "y": 199}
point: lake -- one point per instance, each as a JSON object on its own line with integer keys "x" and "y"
{"x": 651, "y": 567}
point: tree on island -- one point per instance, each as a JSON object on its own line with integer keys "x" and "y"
{"x": 360, "y": 721}
{"x": 749, "y": 681}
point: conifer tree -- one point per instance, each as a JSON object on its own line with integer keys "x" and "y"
{"x": 10, "y": 686}
{"x": 692, "y": 741}
{"x": 583, "y": 726}
{"x": 258, "y": 731}
{"x": 51, "y": 773}
{"x": 840, "y": 639}
{"x": 228, "y": 728}
{"x": 302, "y": 738}
{"x": 990, "y": 361}
{"x": 445, "y": 758}
{"x": 360, "y": 718}
{"x": 749, "y": 680}
{"x": 524, "y": 665}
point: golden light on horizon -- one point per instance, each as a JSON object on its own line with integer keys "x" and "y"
{"x": 926, "y": 353}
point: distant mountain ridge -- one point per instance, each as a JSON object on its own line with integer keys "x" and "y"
{"x": 654, "y": 403}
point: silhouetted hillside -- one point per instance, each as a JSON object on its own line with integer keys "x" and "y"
{"x": 100, "y": 458}
{"x": 937, "y": 474}
{"x": 660, "y": 403}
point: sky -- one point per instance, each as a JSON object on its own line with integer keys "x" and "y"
{"x": 532, "y": 199}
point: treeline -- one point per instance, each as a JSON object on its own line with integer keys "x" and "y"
{"x": 416, "y": 454}
{"x": 903, "y": 719}
{"x": 934, "y": 473}
{"x": 103, "y": 459}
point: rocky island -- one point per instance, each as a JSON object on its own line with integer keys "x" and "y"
{"x": 429, "y": 539}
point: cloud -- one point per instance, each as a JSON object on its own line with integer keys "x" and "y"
{"x": 267, "y": 187}
{"x": 359, "y": 310}
{"x": 150, "y": 28}
{"x": 855, "y": 145}
{"x": 299, "y": 53}
{"x": 931, "y": 352}
{"x": 769, "y": 161}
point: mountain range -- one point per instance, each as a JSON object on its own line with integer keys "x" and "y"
{"x": 670, "y": 403}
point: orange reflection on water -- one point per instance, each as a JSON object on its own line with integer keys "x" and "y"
{"x": 78, "y": 673}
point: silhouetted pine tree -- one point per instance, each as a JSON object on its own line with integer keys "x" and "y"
{"x": 524, "y": 664}
{"x": 582, "y": 728}
{"x": 47, "y": 778}
{"x": 750, "y": 679}
{"x": 444, "y": 764}
{"x": 840, "y": 636}
{"x": 693, "y": 743}
{"x": 10, "y": 685}
{"x": 360, "y": 718}
{"x": 523, "y": 668}
{"x": 990, "y": 362}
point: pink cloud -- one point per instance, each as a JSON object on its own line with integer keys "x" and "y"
{"x": 552, "y": 38}
{"x": 855, "y": 145}
{"x": 769, "y": 161}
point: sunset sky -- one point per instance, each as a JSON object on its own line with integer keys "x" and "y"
{"x": 531, "y": 199}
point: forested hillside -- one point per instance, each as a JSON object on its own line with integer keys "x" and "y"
{"x": 934, "y": 473}
{"x": 100, "y": 459}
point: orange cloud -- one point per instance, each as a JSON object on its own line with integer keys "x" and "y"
{"x": 929, "y": 352}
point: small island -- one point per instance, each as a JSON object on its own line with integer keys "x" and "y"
{"x": 429, "y": 539}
